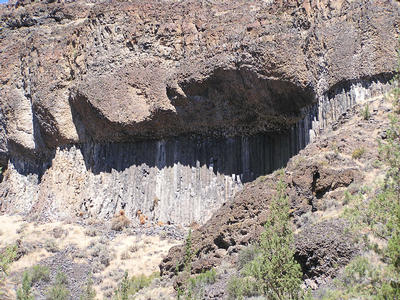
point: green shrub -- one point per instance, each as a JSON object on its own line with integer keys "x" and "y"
{"x": 347, "y": 198}
{"x": 88, "y": 292}
{"x": 39, "y": 273}
{"x": 122, "y": 292}
{"x": 197, "y": 285}
{"x": 6, "y": 258}
{"x": 59, "y": 290}
{"x": 365, "y": 112}
{"x": 241, "y": 287}
{"x": 130, "y": 286}
{"x": 272, "y": 272}
{"x": 24, "y": 292}
{"x": 246, "y": 255}
{"x": 358, "y": 153}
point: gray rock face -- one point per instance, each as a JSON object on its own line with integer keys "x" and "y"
{"x": 169, "y": 107}
{"x": 178, "y": 180}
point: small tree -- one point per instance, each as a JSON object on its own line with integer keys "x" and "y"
{"x": 188, "y": 253}
{"x": 24, "y": 292}
{"x": 6, "y": 258}
{"x": 59, "y": 291}
{"x": 122, "y": 292}
{"x": 277, "y": 274}
{"x": 390, "y": 152}
{"x": 184, "y": 290}
{"x": 89, "y": 293}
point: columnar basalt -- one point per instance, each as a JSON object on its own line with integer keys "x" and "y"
{"x": 170, "y": 107}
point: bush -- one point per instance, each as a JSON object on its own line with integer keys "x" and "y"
{"x": 59, "y": 291}
{"x": 35, "y": 274}
{"x": 365, "y": 112}
{"x": 357, "y": 153}
{"x": 88, "y": 293}
{"x": 130, "y": 286}
{"x": 39, "y": 273}
{"x": 6, "y": 258}
{"x": 277, "y": 275}
{"x": 51, "y": 246}
{"x": 241, "y": 287}
{"x": 246, "y": 255}
{"x": 120, "y": 221}
{"x": 197, "y": 284}
{"x": 24, "y": 292}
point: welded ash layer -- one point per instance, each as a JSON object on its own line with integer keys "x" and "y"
{"x": 178, "y": 180}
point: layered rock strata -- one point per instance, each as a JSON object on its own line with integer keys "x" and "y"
{"x": 169, "y": 107}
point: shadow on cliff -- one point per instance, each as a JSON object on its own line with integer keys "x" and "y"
{"x": 238, "y": 96}
{"x": 248, "y": 157}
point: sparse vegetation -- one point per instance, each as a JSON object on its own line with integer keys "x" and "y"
{"x": 125, "y": 255}
{"x": 38, "y": 273}
{"x": 59, "y": 290}
{"x": 366, "y": 113}
{"x": 6, "y": 258}
{"x": 358, "y": 153}
{"x": 246, "y": 255}
{"x": 88, "y": 293}
{"x": 51, "y": 246}
{"x": 120, "y": 221}
{"x": 30, "y": 277}
{"x": 240, "y": 287}
{"x": 91, "y": 232}
{"x": 24, "y": 292}
{"x": 199, "y": 283}
{"x": 272, "y": 272}
{"x": 130, "y": 286}
{"x": 377, "y": 214}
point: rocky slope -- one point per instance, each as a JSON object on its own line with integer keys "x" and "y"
{"x": 139, "y": 105}
{"x": 320, "y": 181}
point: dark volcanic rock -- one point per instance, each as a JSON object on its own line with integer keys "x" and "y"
{"x": 123, "y": 70}
{"x": 323, "y": 248}
{"x": 318, "y": 175}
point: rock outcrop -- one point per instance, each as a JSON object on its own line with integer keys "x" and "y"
{"x": 318, "y": 180}
{"x": 97, "y": 97}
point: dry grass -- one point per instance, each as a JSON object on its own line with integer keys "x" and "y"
{"x": 120, "y": 221}
{"x": 111, "y": 256}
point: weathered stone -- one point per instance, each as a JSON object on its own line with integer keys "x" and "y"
{"x": 109, "y": 106}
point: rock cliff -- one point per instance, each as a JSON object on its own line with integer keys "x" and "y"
{"x": 170, "y": 106}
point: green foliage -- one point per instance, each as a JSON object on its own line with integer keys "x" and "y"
{"x": 198, "y": 284}
{"x": 366, "y": 113}
{"x": 241, "y": 287}
{"x": 59, "y": 290}
{"x": 130, "y": 286}
{"x": 362, "y": 280}
{"x": 246, "y": 255}
{"x": 6, "y": 258}
{"x": 35, "y": 274}
{"x": 24, "y": 292}
{"x": 184, "y": 290}
{"x": 188, "y": 253}
{"x": 88, "y": 293}
{"x": 380, "y": 213}
{"x": 122, "y": 292}
{"x": 358, "y": 153}
{"x": 277, "y": 274}
{"x": 38, "y": 273}
{"x": 269, "y": 268}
